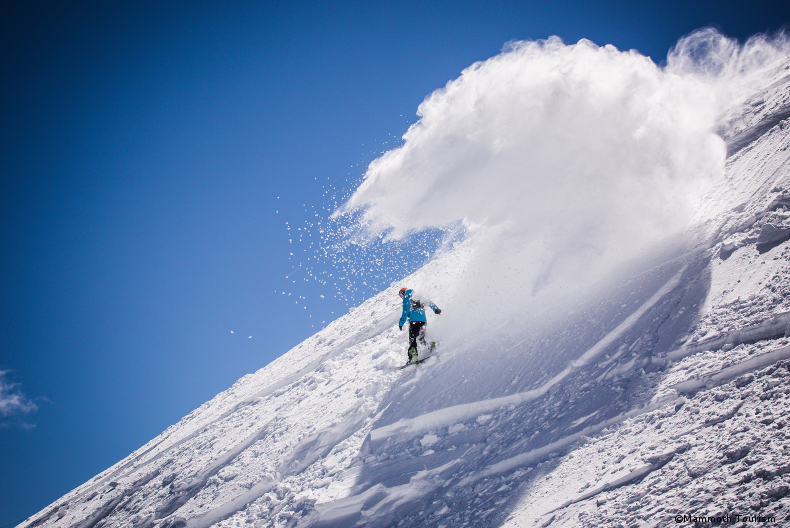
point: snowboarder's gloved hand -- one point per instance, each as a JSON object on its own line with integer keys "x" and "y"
{"x": 401, "y": 328}
{"x": 437, "y": 311}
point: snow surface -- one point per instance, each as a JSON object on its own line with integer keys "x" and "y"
{"x": 662, "y": 392}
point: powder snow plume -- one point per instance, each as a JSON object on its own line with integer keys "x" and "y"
{"x": 564, "y": 162}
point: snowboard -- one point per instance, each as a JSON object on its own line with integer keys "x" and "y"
{"x": 415, "y": 363}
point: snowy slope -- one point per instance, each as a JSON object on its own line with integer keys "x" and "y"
{"x": 665, "y": 392}
{"x": 711, "y": 441}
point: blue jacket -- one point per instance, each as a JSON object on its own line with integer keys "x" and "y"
{"x": 417, "y": 314}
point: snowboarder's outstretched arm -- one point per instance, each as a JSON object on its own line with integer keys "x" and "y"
{"x": 435, "y": 308}
{"x": 406, "y": 309}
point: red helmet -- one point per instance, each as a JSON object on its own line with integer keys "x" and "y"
{"x": 402, "y": 292}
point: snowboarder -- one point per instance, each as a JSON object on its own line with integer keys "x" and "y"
{"x": 414, "y": 312}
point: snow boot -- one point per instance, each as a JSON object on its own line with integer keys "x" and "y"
{"x": 412, "y": 355}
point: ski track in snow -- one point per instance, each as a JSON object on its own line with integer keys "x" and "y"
{"x": 459, "y": 413}
{"x": 674, "y": 405}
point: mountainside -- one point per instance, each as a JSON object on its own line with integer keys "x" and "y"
{"x": 665, "y": 392}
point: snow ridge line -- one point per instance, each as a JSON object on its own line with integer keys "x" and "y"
{"x": 184, "y": 492}
{"x": 542, "y": 452}
{"x": 304, "y": 454}
{"x": 724, "y": 376}
{"x": 425, "y": 481}
{"x": 225, "y": 510}
{"x": 136, "y": 462}
{"x": 739, "y": 141}
{"x": 466, "y": 411}
{"x": 336, "y": 349}
{"x": 380, "y": 499}
{"x": 778, "y": 325}
{"x": 607, "y": 340}
{"x": 633, "y": 476}
{"x": 105, "y": 510}
{"x": 729, "y": 373}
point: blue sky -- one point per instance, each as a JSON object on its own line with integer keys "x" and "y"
{"x": 152, "y": 154}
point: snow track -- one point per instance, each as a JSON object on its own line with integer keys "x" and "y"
{"x": 460, "y": 413}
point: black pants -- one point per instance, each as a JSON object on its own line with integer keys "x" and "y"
{"x": 417, "y": 333}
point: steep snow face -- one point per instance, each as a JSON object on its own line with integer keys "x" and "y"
{"x": 716, "y": 452}
{"x": 664, "y": 391}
